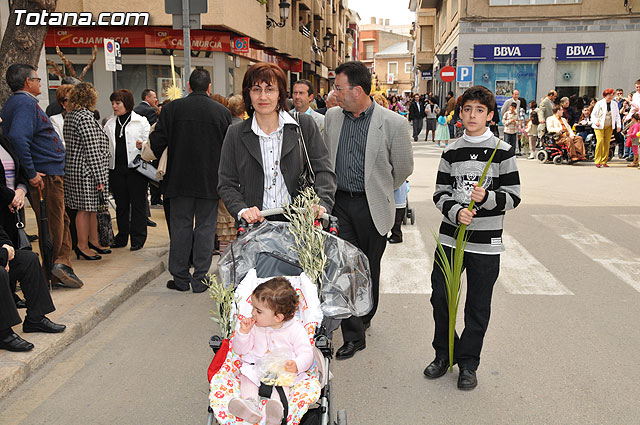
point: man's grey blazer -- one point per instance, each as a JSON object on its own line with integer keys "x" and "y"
{"x": 317, "y": 117}
{"x": 388, "y": 159}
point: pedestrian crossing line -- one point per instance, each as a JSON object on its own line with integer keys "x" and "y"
{"x": 406, "y": 266}
{"x": 522, "y": 274}
{"x": 620, "y": 261}
{"x": 631, "y": 219}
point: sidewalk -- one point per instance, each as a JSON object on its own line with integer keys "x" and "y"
{"x": 107, "y": 284}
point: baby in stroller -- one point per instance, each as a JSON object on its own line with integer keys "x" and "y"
{"x": 270, "y": 328}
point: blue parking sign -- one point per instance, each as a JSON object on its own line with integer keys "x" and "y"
{"x": 464, "y": 74}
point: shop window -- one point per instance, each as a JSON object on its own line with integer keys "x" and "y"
{"x": 503, "y": 78}
{"x": 577, "y": 77}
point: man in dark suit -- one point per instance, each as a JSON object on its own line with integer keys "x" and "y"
{"x": 193, "y": 129}
{"x": 146, "y": 108}
{"x": 23, "y": 266}
{"x": 416, "y": 116}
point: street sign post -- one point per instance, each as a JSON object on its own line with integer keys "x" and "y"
{"x": 185, "y": 11}
{"x": 448, "y": 74}
{"x": 427, "y": 75}
{"x": 113, "y": 59}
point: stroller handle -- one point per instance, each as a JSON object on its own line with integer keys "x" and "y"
{"x": 332, "y": 220}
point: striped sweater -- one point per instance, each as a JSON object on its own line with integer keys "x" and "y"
{"x": 460, "y": 167}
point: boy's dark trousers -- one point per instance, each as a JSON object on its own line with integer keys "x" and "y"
{"x": 482, "y": 272}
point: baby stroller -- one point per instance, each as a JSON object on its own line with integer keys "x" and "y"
{"x": 263, "y": 251}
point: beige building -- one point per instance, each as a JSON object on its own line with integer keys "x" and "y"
{"x": 422, "y": 44}
{"x": 573, "y": 46}
{"x": 393, "y": 67}
{"x": 315, "y": 37}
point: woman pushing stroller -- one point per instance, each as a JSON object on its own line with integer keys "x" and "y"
{"x": 270, "y": 329}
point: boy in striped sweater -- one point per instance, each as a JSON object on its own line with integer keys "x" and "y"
{"x": 460, "y": 169}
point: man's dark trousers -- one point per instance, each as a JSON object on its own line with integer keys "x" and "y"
{"x": 25, "y": 267}
{"x": 417, "y": 127}
{"x": 482, "y": 273}
{"x": 185, "y": 237}
{"x": 356, "y": 226}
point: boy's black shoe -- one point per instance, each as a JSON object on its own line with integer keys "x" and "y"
{"x": 436, "y": 368}
{"x": 467, "y": 379}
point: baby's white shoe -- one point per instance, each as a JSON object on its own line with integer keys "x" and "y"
{"x": 273, "y": 412}
{"x": 245, "y": 409}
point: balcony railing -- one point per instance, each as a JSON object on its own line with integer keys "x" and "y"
{"x": 305, "y": 31}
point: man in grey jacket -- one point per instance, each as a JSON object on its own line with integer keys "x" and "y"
{"x": 302, "y": 97}
{"x": 372, "y": 154}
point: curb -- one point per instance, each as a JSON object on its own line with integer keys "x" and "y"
{"x": 80, "y": 320}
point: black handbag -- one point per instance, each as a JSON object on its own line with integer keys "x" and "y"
{"x": 307, "y": 177}
{"x": 105, "y": 228}
{"x": 23, "y": 239}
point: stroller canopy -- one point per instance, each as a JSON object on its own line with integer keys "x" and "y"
{"x": 346, "y": 287}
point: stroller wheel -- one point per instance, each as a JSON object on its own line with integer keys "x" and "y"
{"x": 342, "y": 417}
{"x": 412, "y": 217}
{"x": 542, "y": 156}
{"x": 404, "y": 218}
{"x": 557, "y": 159}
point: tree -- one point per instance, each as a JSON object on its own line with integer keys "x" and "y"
{"x": 22, "y": 43}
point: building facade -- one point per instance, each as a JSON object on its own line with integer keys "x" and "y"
{"x": 422, "y": 45}
{"x": 394, "y": 68}
{"x": 573, "y": 46}
{"x": 315, "y": 38}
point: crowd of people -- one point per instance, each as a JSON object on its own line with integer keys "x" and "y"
{"x": 569, "y": 119}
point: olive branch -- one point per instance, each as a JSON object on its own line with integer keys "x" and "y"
{"x": 309, "y": 239}
{"x": 225, "y": 299}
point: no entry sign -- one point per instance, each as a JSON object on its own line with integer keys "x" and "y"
{"x": 448, "y": 74}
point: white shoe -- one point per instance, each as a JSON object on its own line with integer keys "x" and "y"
{"x": 273, "y": 412}
{"x": 532, "y": 156}
{"x": 245, "y": 409}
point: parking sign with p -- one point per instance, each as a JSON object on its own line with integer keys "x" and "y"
{"x": 464, "y": 74}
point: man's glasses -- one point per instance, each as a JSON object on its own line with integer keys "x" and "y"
{"x": 35, "y": 79}
{"x": 268, "y": 91}
{"x": 339, "y": 89}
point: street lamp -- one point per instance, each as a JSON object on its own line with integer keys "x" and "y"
{"x": 284, "y": 15}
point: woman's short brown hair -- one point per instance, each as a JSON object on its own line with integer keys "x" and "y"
{"x": 236, "y": 105}
{"x": 220, "y": 99}
{"x": 279, "y": 295}
{"x": 62, "y": 92}
{"x": 124, "y": 96}
{"x": 608, "y": 92}
{"x": 82, "y": 95}
{"x": 264, "y": 73}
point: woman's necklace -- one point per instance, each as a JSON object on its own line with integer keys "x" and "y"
{"x": 122, "y": 125}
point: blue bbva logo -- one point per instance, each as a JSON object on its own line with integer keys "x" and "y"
{"x": 508, "y": 51}
{"x": 580, "y": 51}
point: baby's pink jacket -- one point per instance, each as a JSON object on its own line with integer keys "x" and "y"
{"x": 262, "y": 340}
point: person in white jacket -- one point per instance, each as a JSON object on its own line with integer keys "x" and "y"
{"x": 127, "y": 132}
{"x": 556, "y": 123}
{"x": 605, "y": 117}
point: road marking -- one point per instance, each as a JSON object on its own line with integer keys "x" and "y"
{"x": 406, "y": 267}
{"x": 631, "y": 219}
{"x": 620, "y": 261}
{"x": 522, "y": 274}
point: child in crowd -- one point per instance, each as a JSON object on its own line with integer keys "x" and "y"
{"x": 442, "y": 129}
{"x": 632, "y": 138}
{"x": 460, "y": 169}
{"x": 271, "y": 326}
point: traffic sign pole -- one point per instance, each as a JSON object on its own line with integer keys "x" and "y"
{"x": 186, "y": 29}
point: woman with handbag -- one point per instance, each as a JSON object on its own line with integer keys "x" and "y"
{"x": 127, "y": 132}
{"x": 85, "y": 168}
{"x": 267, "y": 159}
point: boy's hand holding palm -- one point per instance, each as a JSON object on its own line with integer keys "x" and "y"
{"x": 477, "y": 195}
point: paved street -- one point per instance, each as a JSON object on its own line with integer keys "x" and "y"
{"x": 561, "y": 346}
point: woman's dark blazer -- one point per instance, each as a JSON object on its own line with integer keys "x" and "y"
{"x": 7, "y": 218}
{"x": 241, "y": 177}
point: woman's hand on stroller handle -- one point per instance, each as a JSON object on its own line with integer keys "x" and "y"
{"x": 246, "y": 325}
{"x": 252, "y": 215}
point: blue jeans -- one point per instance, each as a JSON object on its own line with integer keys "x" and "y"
{"x": 512, "y": 139}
